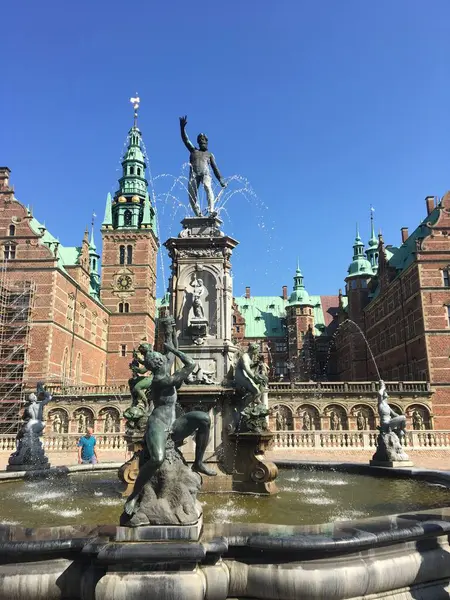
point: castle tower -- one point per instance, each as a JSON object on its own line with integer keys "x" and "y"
{"x": 360, "y": 272}
{"x": 300, "y": 325}
{"x": 130, "y": 245}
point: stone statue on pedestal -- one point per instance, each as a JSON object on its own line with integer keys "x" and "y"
{"x": 29, "y": 454}
{"x": 200, "y": 160}
{"x": 165, "y": 489}
{"x": 392, "y": 431}
{"x": 251, "y": 380}
{"x": 197, "y": 293}
{"x": 417, "y": 421}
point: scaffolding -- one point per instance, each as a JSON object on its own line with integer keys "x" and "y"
{"x": 16, "y": 305}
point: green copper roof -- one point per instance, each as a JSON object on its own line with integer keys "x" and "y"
{"x": 133, "y": 182}
{"x": 360, "y": 265}
{"x": 265, "y": 316}
{"x": 65, "y": 255}
{"x": 372, "y": 250}
{"x": 131, "y": 207}
{"x": 148, "y": 215}
{"x": 299, "y": 295}
{"x": 402, "y": 257}
{"x": 92, "y": 246}
{"x": 107, "y": 221}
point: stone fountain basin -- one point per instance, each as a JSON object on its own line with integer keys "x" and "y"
{"x": 406, "y": 553}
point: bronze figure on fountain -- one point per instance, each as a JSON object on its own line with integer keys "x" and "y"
{"x": 200, "y": 160}
{"x": 165, "y": 488}
{"x": 391, "y": 434}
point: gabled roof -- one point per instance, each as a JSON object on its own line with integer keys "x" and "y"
{"x": 402, "y": 257}
{"x": 66, "y": 255}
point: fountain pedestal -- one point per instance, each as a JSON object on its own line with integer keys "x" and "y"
{"x": 253, "y": 473}
{"x": 129, "y": 470}
{"x": 390, "y": 452}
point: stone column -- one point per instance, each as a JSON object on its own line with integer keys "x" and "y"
{"x": 202, "y": 252}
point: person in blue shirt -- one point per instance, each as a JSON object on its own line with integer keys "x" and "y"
{"x": 87, "y": 453}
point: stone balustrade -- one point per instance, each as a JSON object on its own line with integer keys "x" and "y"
{"x": 283, "y": 440}
{"x": 87, "y": 390}
{"x": 331, "y": 387}
{"x": 67, "y": 442}
{"x": 349, "y": 387}
{"x": 355, "y": 440}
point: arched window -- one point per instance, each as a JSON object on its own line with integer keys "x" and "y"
{"x": 12, "y": 230}
{"x": 94, "y": 264}
{"x": 128, "y": 218}
{"x": 121, "y": 307}
{"x": 139, "y": 171}
{"x": 126, "y": 307}
{"x": 129, "y": 255}
{"x": 131, "y": 170}
{"x": 122, "y": 255}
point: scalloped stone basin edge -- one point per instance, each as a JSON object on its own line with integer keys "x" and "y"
{"x": 395, "y": 557}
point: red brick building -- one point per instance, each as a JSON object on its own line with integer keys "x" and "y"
{"x": 61, "y": 321}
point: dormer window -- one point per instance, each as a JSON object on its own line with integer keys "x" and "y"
{"x": 12, "y": 230}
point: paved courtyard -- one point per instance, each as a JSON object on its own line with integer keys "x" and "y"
{"x": 429, "y": 459}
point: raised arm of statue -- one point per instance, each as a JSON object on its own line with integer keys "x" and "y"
{"x": 188, "y": 365}
{"x": 184, "y": 136}
{"x": 216, "y": 171}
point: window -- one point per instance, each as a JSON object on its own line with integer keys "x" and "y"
{"x": 364, "y": 284}
{"x": 122, "y": 255}
{"x": 124, "y": 307}
{"x": 12, "y": 230}
{"x": 123, "y": 350}
{"x": 446, "y": 277}
{"x": 9, "y": 251}
{"x": 353, "y": 284}
{"x": 129, "y": 255}
{"x": 94, "y": 264}
{"x": 448, "y": 313}
{"x": 128, "y": 218}
{"x": 131, "y": 170}
{"x": 280, "y": 347}
{"x": 139, "y": 171}
{"x": 238, "y": 329}
{"x": 281, "y": 368}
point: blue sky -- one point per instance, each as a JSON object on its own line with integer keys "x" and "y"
{"x": 325, "y": 107}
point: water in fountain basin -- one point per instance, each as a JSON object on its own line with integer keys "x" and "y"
{"x": 304, "y": 497}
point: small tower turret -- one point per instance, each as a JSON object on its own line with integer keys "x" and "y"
{"x": 300, "y": 327}
{"x": 94, "y": 258}
{"x": 372, "y": 246}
